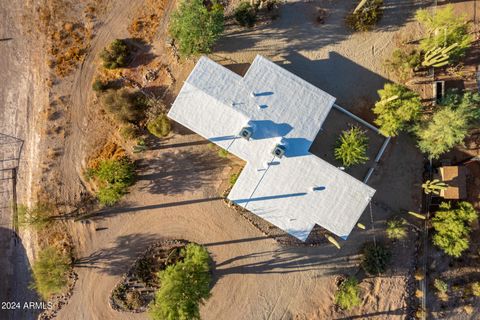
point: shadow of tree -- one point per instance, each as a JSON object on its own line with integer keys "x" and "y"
{"x": 118, "y": 258}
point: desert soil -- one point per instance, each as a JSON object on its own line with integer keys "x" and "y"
{"x": 180, "y": 180}
{"x": 20, "y": 93}
{"x": 177, "y": 193}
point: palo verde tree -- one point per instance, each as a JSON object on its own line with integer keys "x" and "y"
{"x": 113, "y": 176}
{"x": 115, "y": 55}
{"x": 448, "y": 126}
{"x": 352, "y": 147}
{"x": 183, "y": 286}
{"x": 50, "y": 272}
{"x": 397, "y": 107}
{"x": 196, "y": 25}
{"x": 444, "y": 28}
{"x": 452, "y": 230}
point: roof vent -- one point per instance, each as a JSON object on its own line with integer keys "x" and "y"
{"x": 246, "y": 133}
{"x": 279, "y": 151}
{"x": 252, "y": 94}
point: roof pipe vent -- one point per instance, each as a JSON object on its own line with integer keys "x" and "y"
{"x": 246, "y": 133}
{"x": 279, "y": 151}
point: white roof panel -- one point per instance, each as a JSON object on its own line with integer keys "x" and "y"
{"x": 294, "y": 192}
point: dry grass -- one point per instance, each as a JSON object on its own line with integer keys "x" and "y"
{"x": 147, "y": 20}
{"x": 68, "y": 36}
{"x": 110, "y": 150}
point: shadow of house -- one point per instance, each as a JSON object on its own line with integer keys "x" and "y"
{"x": 15, "y": 278}
{"x": 341, "y": 77}
{"x": 298, "y": 28}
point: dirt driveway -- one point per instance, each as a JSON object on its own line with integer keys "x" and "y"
{"x": 176, "y": 197}
{"x": 177, "y": 192}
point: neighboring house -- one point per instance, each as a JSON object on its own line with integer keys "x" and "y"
{"x": 269, "y": 118}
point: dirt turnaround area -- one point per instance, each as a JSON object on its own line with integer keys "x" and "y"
{"x": 181, "y": 179}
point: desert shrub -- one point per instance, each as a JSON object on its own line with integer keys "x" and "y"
{"x": 475, "y": 288}
{"x": 50, "y": 272}
{"x": 375, "y": 258}
{"x": 38, "y": 216}
{"x": 196, "y": 25}
{"x": 183, "y": 286}
{"x": 129, "y": 131}
{"x": 352, "y": 147}
{"x": 245, "y": 14}
{"x": 396, "y": 229}
{"x": 233, "y": 178}
{"x": 114, "y": 177}
{"x": 124, "y": 105}
{"x": 397, "y": 107}
{"x": 402, "y": 63}
{"x": 452, "y": 230}
{"x": 133, "y": 300}
{"x": 115, "y": 55}
{"x": 441, "y": 286}
{"x": 448, "y": 126}
{"x": 348, "y": 294}
{"x": 99, "y": 85}
{"x": 444, "y": 27}
{"x": 366, "y": 15}
{"x": 222, "y": 153}
{"x": 160, "y": 126}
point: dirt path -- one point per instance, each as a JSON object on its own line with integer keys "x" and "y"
{"x": 82, "y": 122}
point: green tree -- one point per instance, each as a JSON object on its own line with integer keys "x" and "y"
{"x": 183, "y": 286}
{"x": 396, "y": 229}
{"x": 452, "y": 230}
{"x": 375, "y": 258}
{"x": 38, "y": 216}
{"x": 245, "y": 14}
{"x": 443, "y": 28}
{"x": 50, "y": 272}
{"x": 397, "y": 107}
{"x": 160, "y": 126}
{"x": 348, "y": 294}
{"x": 352, "y": 147}
{"x": 403, "y": 63}
{"x": 448, "y": 126}
{"x": 115, "y": 56}
{"x": 197, "y": 25}
{"x": 114, "y": 177}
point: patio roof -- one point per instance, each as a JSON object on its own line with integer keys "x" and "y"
{"x": 293, "y": 192}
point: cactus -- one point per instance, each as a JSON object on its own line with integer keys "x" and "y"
{"x": 438, "y": 57}
{"x": 417, "y": 215}
{"x": 333, "y": 241}
{"x": 359, "y": 6}
{"x": 434, "y": 186}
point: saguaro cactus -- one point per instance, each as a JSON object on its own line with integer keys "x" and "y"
{"x": 434, "y": 186}
{"x": 438, "y": 57}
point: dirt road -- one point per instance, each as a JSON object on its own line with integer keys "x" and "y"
{"x": 19, "y": 94}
